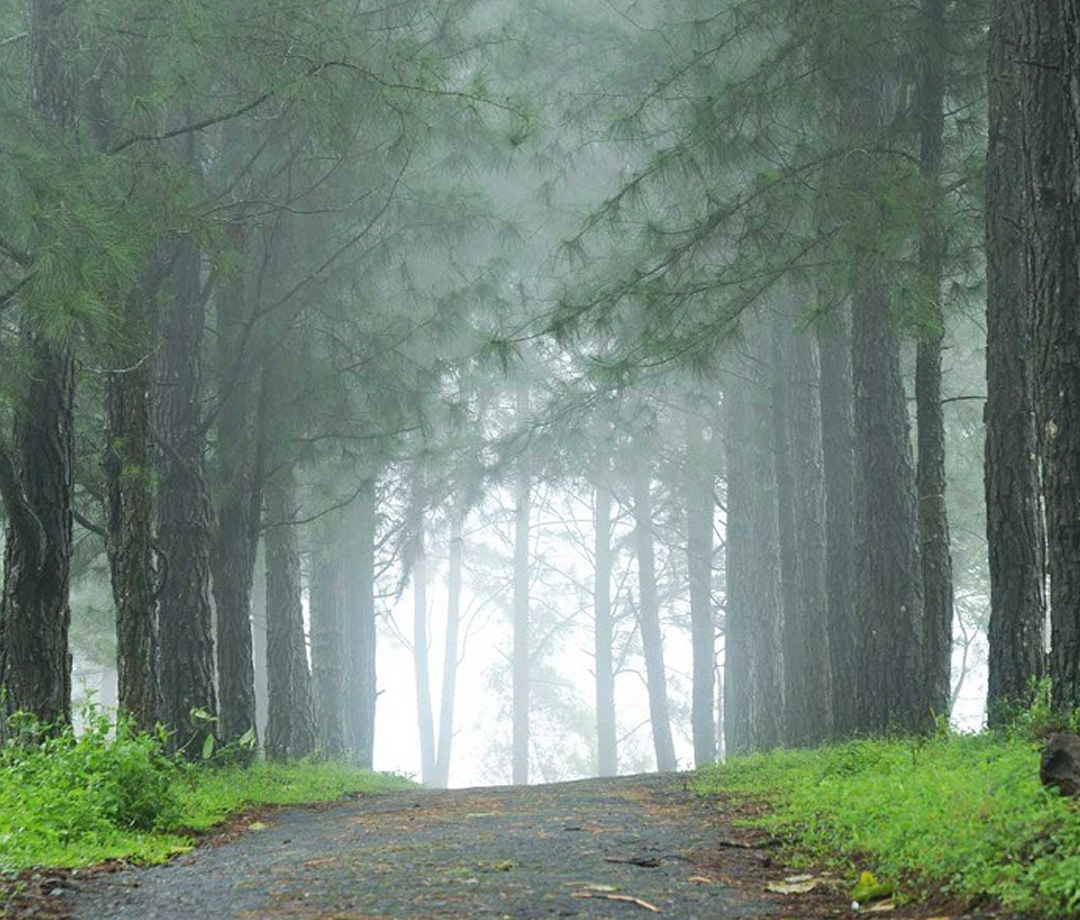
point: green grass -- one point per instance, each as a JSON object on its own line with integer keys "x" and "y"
{"x": 961, "y": 814}
{"x": 68, "y": 802}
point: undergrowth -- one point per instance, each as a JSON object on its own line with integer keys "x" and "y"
{"x": 963, "y": 815}
{"x": 110, "y": 793}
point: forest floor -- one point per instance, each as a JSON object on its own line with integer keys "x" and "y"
{"x": 617, "y": 848}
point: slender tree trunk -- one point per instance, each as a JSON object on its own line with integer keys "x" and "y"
{"x": 522, "y": 513}
{"x": 808, "y": 481}
{"x": 450, "y": 653}
{"x": 258, "y": 640}
{"x": 838, "y": 456}
{"x": 36, "y": 475}
{"x": 652, "y": 639}
{"x": 933, "y": 514}
{"x": 698, "y": 493}
{"x": 186, "y": 648}
{"x": 326, "y": 648}
{"x": 1014, "y": 533}
{"x": 796, "y": 630}
{"x": 128, "y": 464}
{"x": 753, "y": 669}
{"x": 290, "y": 721}
{"x": 360, "y": 630}
{"x": 426, "y": 722}
{"x": 604, "y": 632}
{"x": 1052, "y": 227}
{"x": 238, "y": 492}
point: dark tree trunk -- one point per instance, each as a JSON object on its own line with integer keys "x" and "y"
{"x": 238, "y": 487}
{"x": 450, "y": 653}
{"x": 698, "y": 486}
{"x": 186, "y": 648}
{"x": 327, "y": 670}
{"x": 36, "y": 476}
{"x": 359, "y": 629}
{"x": 258, "y": 639}
{"x": 425, "y": 720}
{"x": 129, "y": 521}
{"x": 808, "y": 484}
{"x": 1014, "y": 533}
{"x": 888, "y": 592}
{"x": 933, "y": 514}
{"x": 834, "y": 345}
{"x": 521, "y": 682}
{"x": 652, "y": 638}
{"x": 796, "y": 629}
{"x": 604, "y": 633}
{"x": 753, "y": 668}
{"x": 1052, "y": 227}
{"x": 290, "y": 720}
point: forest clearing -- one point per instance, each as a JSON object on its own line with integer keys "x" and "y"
{"x": 418, "y": 408}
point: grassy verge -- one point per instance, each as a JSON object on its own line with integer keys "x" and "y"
{"x": 70, "y": 802}
{"x": 963, "y": 815}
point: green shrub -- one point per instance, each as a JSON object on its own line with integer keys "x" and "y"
{"x": 963, "y": 814}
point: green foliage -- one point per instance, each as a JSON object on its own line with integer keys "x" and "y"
{"x": 965, "y": 814}
{"x": 111, "y": 793}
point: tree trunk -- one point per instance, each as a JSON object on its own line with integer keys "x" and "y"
{"x": 834, "y": 345}
{"x": 1014, "y": 532}
{"x": 326, "y": 652}
{"x": 420, "y": 659}
{"x": 359, "y": 629}
{"x": 258, "y": 639}
{"x": 888, "y": 592}
{"x": 808, "y": 482}
{"x": 933, "y": 514}
{"x": 186, "y": 648}
{"x": 1051, "y": 228}
{"x": 290, "y": 719}
{"x": 652, "y": 639}
{"x": 128, "y": 464}
{"x": 36, "y": 476}
{"x": 450, "y": 653}
{"x": 698, "y": 486}
{"x": 796, "y": 663}
{"x": 238, "y": 488}
{"x": 753, "y": 667}
{"x": 604, "y": 633}
{"x": 522, "y": 511}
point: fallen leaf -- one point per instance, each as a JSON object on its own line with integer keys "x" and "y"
{"x": 701, "y": 880}
{"x": 256, "y": 826}
{"x": 788, "y": 887}
{"x": 881, "y": 907}
{"x": 618, "y": 897}
{"x": 600, "y": 888}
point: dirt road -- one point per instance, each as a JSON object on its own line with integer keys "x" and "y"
{"x": 631, "y": 848}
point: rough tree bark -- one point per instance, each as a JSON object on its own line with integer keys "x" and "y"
{"x": 652, "y": 638}
{"x": 808, "y": 484}
{"x": 933, "y": 514}
{"x": 128, "y": 465}
{"x": 186, "y": 648}
{"x": 238, "y": 472}
{"x": 604, "y": 635}
{"x": 1014, "y": 532}
{"x": 753, "y": 670}
{"x": 1051, "y": 227}
{"x": 36, "y": 474}
{"x": 290, "y": 719}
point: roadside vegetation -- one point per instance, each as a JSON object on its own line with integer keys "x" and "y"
{"x": 110, "y": 793}
{"x": 957, "y": 815}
